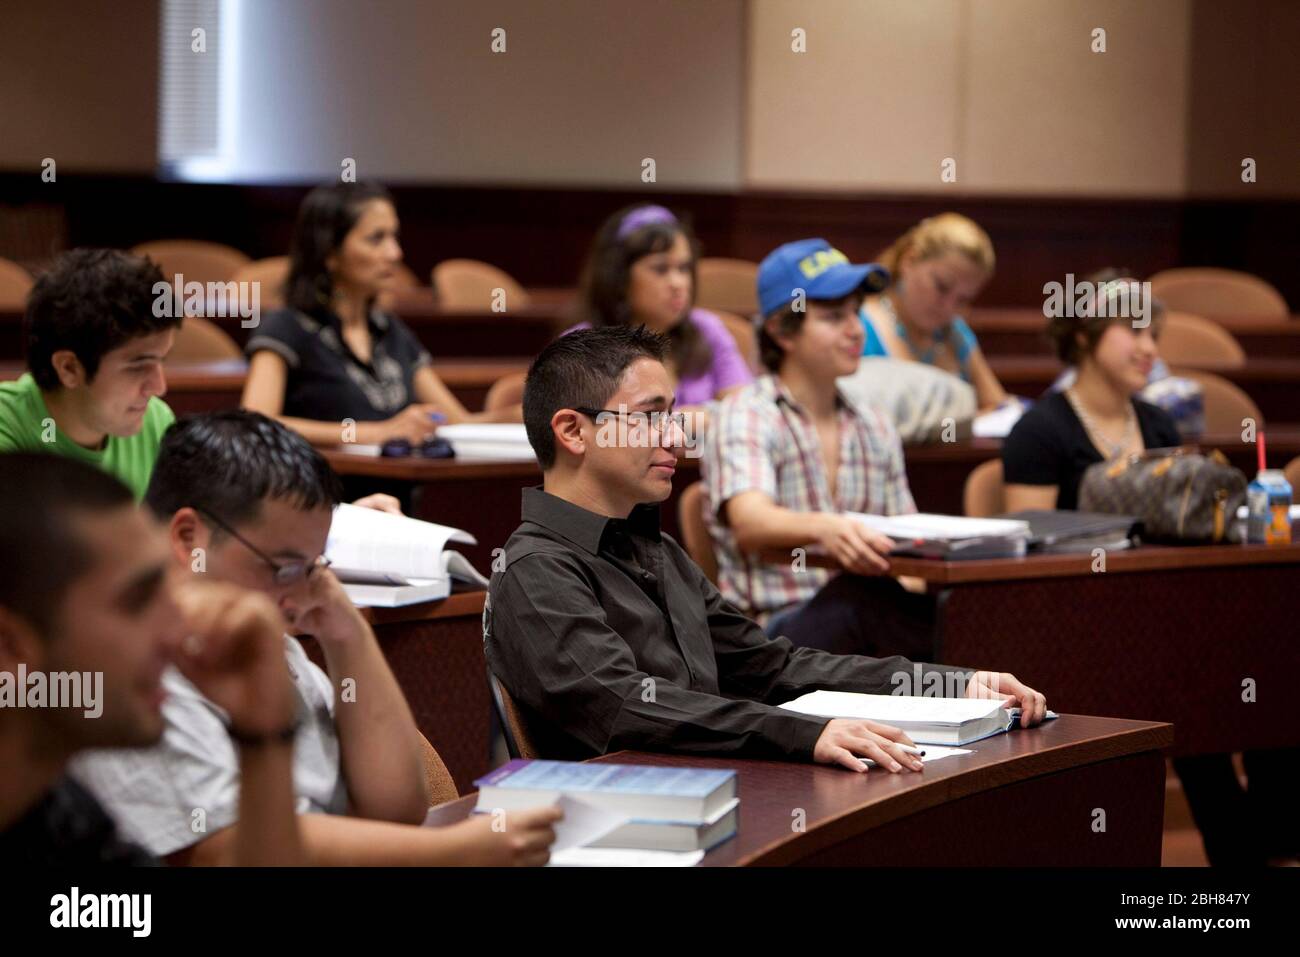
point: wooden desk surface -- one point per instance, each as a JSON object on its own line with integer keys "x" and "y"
{"x": 413, "y": 468}
{"x": 456, "y": 605}
{"x": 1125, "y": 561}
{"x": 1144, "y": 558}
{"x": 840, "y": 806}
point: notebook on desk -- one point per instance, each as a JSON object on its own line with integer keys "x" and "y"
{"x": 1060, "y": 531}
{"x": 950, "y": 537}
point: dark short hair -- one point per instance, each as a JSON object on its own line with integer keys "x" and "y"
{"x": 607, "y": 276}
{"x": 91, "y": 301}
{"x": 43, "y": 553}
{"x": 326, "y": 216}
{"x": 228, "y": 463}
{"x": 789, "y": 321}
{"x": 582, "y": 368}
{"x": 1064, "y": 330}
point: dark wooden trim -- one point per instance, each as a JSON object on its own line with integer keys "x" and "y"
{"x": 541, "y": 235}
{"x": 455, "y": 605}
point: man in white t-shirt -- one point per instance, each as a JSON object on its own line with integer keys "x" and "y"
{"x": 248, "y": 501}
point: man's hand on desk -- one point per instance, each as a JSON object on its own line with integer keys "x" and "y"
{"x": 846, "y": 741}
{"x": 1000, "y": 684}
{"x": 857, "y": 548}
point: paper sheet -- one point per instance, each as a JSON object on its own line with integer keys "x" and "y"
{"x": 623, "y": 857}
{"x": 582, "y": 823}
{"x": 933, "y": 752}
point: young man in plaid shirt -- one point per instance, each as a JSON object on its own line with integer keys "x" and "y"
{"x": 787, "y": 456}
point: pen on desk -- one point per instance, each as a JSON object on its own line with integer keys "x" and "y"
{"x": 906, "y": 748}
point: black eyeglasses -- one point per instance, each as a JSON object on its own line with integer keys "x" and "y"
{"x": 285, "y": 573}
{"x": 639, "y": 420}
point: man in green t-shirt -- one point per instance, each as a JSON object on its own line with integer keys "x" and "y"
{"x": 95, "y": 350}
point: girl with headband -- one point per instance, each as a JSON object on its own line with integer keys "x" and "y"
{"x": 641, "y": 271}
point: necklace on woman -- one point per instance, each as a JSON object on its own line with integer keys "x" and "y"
{"x": 1089, "y": 424}
{"x": 891, "y": 314}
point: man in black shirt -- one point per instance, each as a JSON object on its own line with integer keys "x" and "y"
{"x": 88, "y": 619}
{"x": 604, "y": 631}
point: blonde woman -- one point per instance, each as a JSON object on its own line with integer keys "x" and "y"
{"x": 939, "y": 267}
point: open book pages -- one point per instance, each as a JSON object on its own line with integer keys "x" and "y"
{"x": 375, "y": 547}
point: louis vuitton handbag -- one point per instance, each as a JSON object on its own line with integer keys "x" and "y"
{"x": 1178, "y": 494}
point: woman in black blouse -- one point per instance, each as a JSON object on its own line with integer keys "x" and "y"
{"x": 334, "y": 366}
{"x": 1043, "y": 461}
{"x": 1097, "y": 418}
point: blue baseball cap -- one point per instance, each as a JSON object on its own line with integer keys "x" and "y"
{"x": 816, "y": 267}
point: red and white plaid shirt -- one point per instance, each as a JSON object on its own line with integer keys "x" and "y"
{"x": 761, "y": 439}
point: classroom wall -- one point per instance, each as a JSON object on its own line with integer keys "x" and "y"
{"x": 709, "y": 88}
{"x": 79, "y": 84}
{"x": 1010, "y": 90}
{"x": 584, "y": 92}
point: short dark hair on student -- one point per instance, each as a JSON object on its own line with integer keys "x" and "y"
{"x": 582, "y": 368}
{"x": 1064, "y": 330}
{"x": 91, "y": 301}
{"x": 325, "y": 218}
{"x": 43, "y": 553}
{"x": 789, "y": 321}
{"x": 228, "y": 463}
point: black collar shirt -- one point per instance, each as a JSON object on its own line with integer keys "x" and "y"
{"x": 609, "y": 637}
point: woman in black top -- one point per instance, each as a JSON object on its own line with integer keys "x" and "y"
{"x": 1043, "y": 461}
{"x": 333, "y": 366}
{"x": 1097, "y": 418}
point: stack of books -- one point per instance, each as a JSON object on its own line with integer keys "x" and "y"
{"x": 661, "y": 808}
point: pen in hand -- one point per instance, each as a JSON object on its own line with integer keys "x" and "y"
{"x": 905, "y": 748}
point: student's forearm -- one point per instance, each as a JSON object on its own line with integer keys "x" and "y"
{"x": 316, "y": 431}
{"x": 334, "y": 841}
{"x": 508, "y": 413}
{"x": 989, "y": 393}
{"x": 767, "y": 526}
{"x": 269, "y": 835}
{"x": 379, "y": 744}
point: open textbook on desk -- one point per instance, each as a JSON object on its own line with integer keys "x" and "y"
{"x": 390, "y": 560}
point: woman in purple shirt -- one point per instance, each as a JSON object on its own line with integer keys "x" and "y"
{"x": 641, "y": 271}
